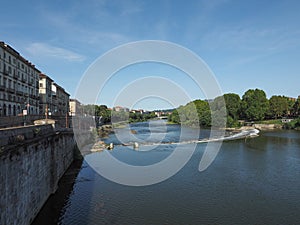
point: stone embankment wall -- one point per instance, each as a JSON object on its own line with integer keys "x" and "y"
{"x": 32, "y": 160}
{"x": 267, "y": 126}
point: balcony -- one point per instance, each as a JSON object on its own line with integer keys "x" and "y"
{"x": 18, "y": 100}
{"x": 16, "y": 76}
{"x": 19, "y": 92}
{"x": 11, "y": 90}
{"x": 2, "y": 87}
{"x": 3, "y": 97}
{"x": 32, "y": 96}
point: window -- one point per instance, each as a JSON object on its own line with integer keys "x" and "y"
{"x": 41, "y": 85}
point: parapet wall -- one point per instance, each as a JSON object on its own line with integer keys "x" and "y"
{"x": 32, "y": 160}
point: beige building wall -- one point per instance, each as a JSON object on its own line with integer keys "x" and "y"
{"x": 18, "y": 83}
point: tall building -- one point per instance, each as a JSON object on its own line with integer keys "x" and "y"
{"x": 60, "y": 101}
{"x": 19, "y": 83}
{"x": 45, "y": 92}
{"x": 54, "y": 100}
{"x": 75, "y": 107}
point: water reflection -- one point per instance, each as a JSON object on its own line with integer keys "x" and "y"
{"x": 58, "y": 203}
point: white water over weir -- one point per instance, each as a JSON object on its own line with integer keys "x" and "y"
{"x": 241, "y": 135}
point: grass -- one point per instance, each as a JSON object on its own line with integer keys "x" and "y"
{"x": 278, "y": 121}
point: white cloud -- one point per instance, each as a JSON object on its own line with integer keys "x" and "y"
{"x": 48, "y": 51}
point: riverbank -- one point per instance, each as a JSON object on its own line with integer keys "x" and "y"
{"x": 267, "y": 127}
{"x": 261, "y": 127}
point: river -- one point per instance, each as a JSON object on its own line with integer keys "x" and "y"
{"x": 251, "y": 181}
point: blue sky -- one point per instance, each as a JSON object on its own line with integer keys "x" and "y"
{"x": 247, "y": 44}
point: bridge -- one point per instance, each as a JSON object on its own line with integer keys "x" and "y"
{"x": 162, "y": 117}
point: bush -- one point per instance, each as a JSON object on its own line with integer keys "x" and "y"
{"x": 295, "y": 124}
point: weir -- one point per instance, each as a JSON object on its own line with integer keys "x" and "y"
{"x": 248, "y": 133}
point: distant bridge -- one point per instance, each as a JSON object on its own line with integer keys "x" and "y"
{"x": 162, "y": 117}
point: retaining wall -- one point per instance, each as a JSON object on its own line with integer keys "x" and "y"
{"x": 32, "y": 160}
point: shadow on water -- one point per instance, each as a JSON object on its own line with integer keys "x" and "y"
{"x": 54, "y": 207}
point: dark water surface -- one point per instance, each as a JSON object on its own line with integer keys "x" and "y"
{"x": 252, "y": 181}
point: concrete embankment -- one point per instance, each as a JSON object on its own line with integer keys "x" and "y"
{"x": 267, "y": 126}
{"x": 256, "y": 126}
{"x": 32, "y": 160}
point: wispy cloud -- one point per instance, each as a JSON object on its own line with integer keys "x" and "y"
{"x": 94, "y": 33}
{"x": 250, "y": 40}
{"x": 48, "y": 51}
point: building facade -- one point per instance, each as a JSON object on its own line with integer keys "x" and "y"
{"x": 75, "y": 107}
{"x": 54, "y": 100}
{"x": 60, "y": 101}
{"x": 19, "y": 83}
{"x": 45, "y": 92}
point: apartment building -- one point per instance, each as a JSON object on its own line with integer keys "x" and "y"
{"x": 45, "y": 92}
{"x": 54, "y": 100}
{"x": 60, "y": 100}
{"x": 75, "y": 107}
{"x": 19, "y": 83}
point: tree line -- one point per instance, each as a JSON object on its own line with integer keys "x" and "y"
{"x": 103, "y": 115}
{"x": 253, "y": 106}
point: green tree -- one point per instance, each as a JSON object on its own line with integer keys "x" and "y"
{"x": 279, "y": 106}
{"x": 255, "y": 105}
{"x": 204, "y": 113}
{"x": 192, "y": 114}
{"x": 218, "y": 112}
{"x": 296, "y": 108}
{"x": 174, "y": 117}
{"x": 229, "y": 105}
{"x": 233, "y": 105}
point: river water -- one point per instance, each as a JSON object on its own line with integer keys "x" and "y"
{"x": 251, "y": 181}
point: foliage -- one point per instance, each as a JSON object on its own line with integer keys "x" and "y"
{"x": 272, "y": 121}
{"x": 229, "y": 105}
{"x": 174, "y": 117}
{"x": 233, "y": 105}
{"x": 255, "y": 105}
{"x": 295, "y": 124}
{"x": 296, "y": 108}
{"x": 279, "y": 106}
{"x": 104, "y": 116}
{"x": 195, "y": 113}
